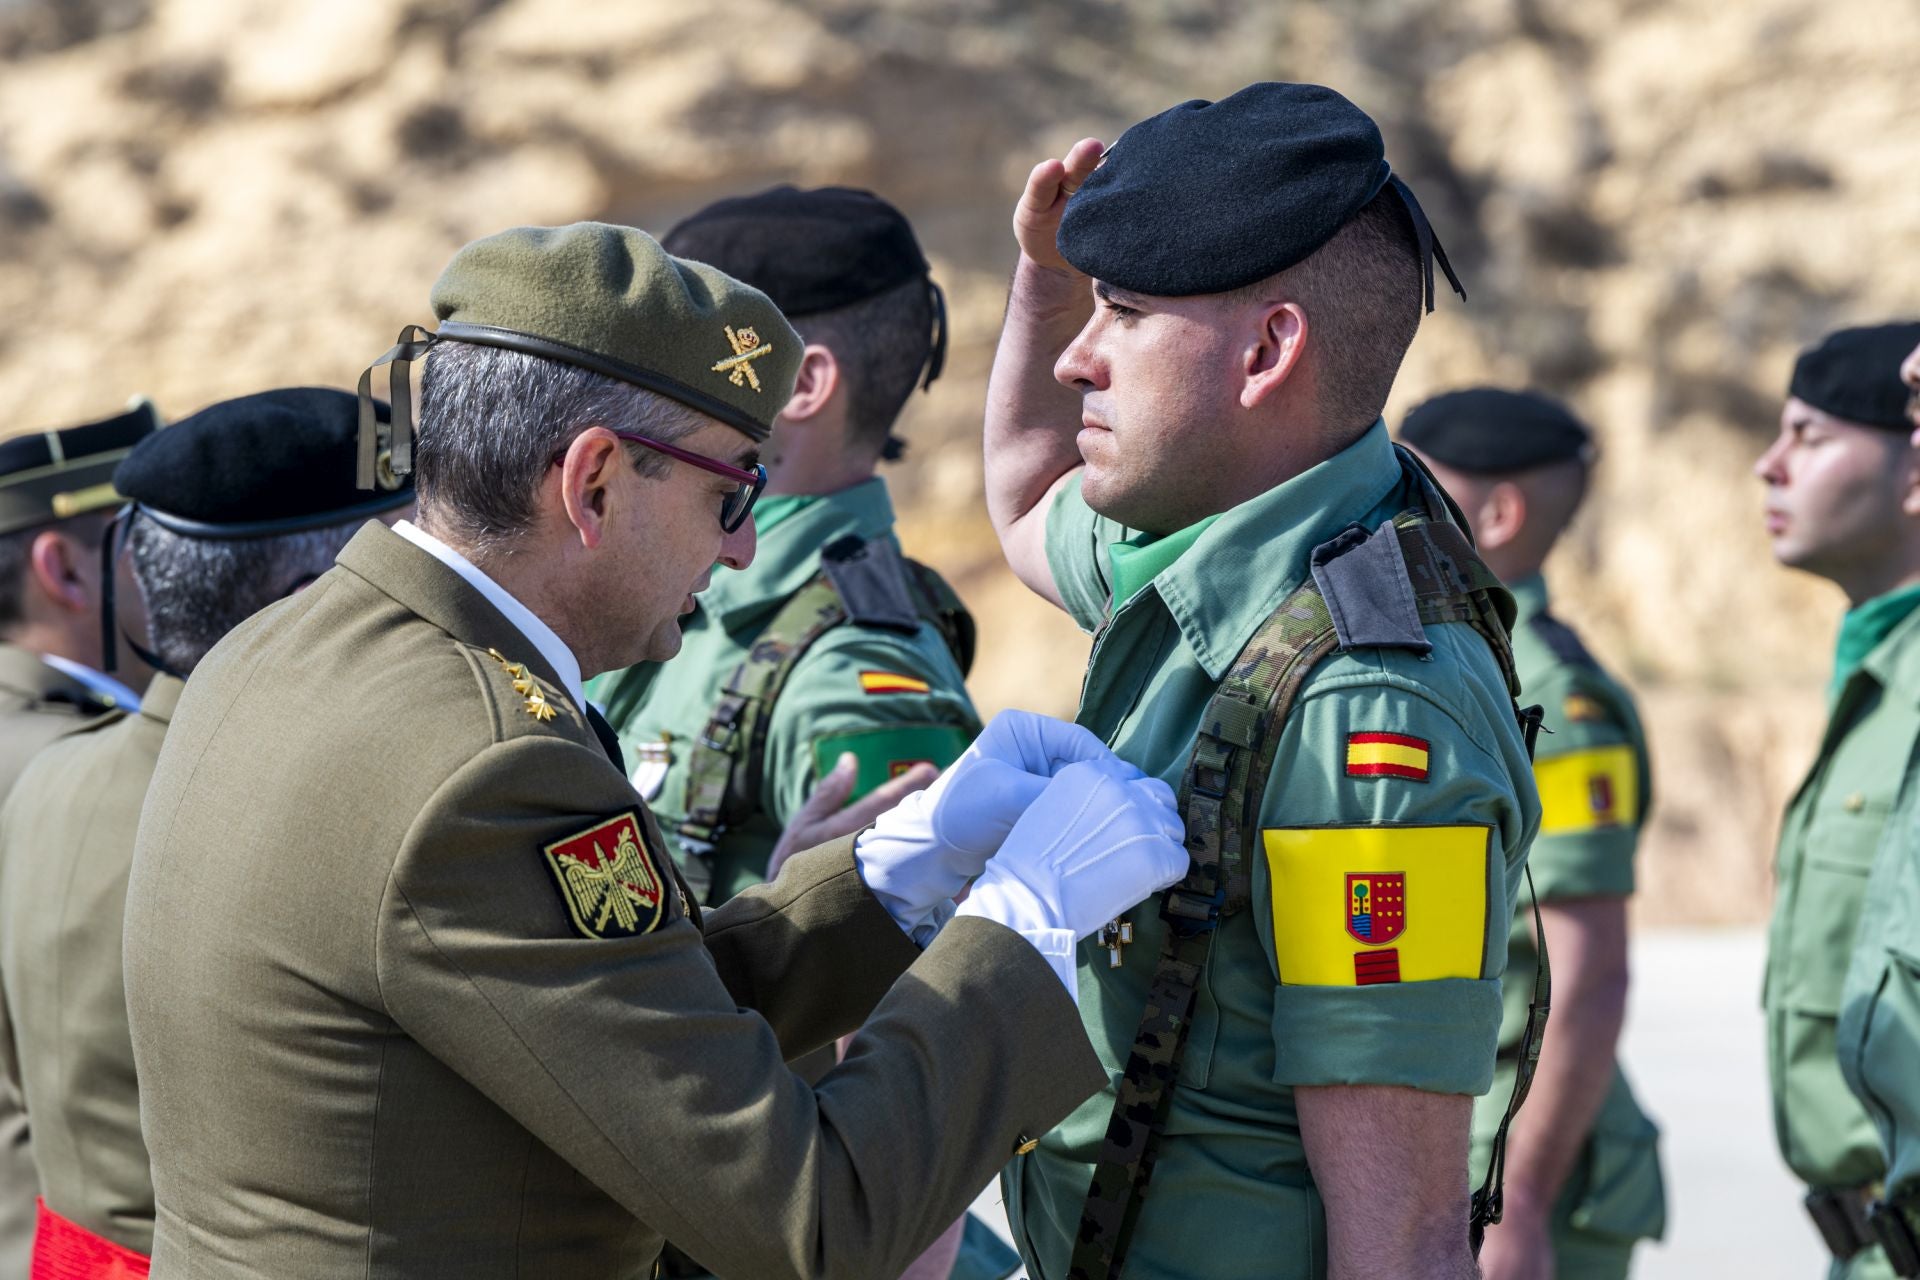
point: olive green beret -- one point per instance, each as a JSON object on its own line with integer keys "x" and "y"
{"x": 58, "y": 474}
{"x": 609, "y": 299}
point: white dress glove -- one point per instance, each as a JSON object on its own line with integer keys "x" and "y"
{"x": 922, "y": 852}
{"x": 1100, "y": 839}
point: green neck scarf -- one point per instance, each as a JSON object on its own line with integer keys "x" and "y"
{"x": 1864, "y": 627}
{"x": 1141, "y": 558}
{"x": 774, "y": 508}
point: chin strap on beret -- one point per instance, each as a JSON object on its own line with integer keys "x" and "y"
{"x": 414, "y": 342}
{"x": 1430, "y": 247}
{"x": 937, "y": 356}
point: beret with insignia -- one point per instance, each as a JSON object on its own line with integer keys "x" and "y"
{"x": 813, "y": 251}
{"x": 1492, "y": 431}
{"x": 1854, "y": 374}
{"x": 263, "y": 465}
{"x": 1210, "y": 196}
{"x": 609, "y": 299}
{"x": 59, "y": 474}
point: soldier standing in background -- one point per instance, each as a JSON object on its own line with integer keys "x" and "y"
{"x": 1583, "y": 1177}
{"x": 1843, "y": 502}
{"x": 56, "y": 499}
{"x": 233, "y": 508}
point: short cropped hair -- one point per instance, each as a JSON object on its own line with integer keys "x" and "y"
{"x": 198, "y": 589}
{"x": 491, "y": 421}
{"x": 881, "y": 344}
{"x": 88, "y": 530}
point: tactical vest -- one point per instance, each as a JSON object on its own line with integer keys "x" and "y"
{"x": 865, "y": 583}
{"x": 1369, "y": 589}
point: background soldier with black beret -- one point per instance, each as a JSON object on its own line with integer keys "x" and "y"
{"x": 1583, "y": 1177}
{"x": 1184, "y": 451}
{"x": 56, "y": 498}
{"x": 1843, "y": 502}
{"x": 413, "y": 986}
{"x": 233, "y": 508}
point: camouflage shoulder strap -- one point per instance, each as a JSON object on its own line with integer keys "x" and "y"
{"x": 1221, "y": 797}
{"x": 864, "y": 582}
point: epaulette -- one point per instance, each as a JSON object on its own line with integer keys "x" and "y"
{"x": 870, "y": 577}
{"x": 1362, "y": 575}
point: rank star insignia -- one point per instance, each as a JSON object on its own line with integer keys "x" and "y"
{"x": 536, "y": 704}
{"x": 747, "y": 348}
{"x": 606, "y": 877}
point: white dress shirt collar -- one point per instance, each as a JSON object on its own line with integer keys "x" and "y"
{"x": 551, "y": 646}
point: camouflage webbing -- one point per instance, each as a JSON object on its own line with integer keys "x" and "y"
{"x": 724, "y": 770}
{"x": 1220, "y": 799}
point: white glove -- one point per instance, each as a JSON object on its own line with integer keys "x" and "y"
{"x": 921, "y": 853}
{"x": 1100, "y": 839}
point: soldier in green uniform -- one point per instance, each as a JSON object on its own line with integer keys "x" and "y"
{"x": 1843, "y": 502}
{"x": 1879, "y": 1027}
{"x": 56, "y": 497}
{"x": 413, "y": 988}
{"x": 209, "y": 546}
{"x": 831, "y": 643}
{"x": 1582, "y": 1171}
{"x": 1184, "y": 451}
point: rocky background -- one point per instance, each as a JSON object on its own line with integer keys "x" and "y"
{"x": 1654, "y": 204}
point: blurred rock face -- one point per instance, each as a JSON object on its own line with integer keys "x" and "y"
{"x": 1654, "y": 206}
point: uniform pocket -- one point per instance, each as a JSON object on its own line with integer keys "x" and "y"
{"x": 1826, "y": 919}
{"x": 1624, "y": 1195}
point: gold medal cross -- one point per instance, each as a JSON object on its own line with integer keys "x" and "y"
{"x": 747, "y": 348}
{"x": 1116, "y": 937}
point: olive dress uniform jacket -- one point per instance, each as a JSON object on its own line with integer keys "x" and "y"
{"x": 66, "y": 843}
{"x": 381, "y": 1031}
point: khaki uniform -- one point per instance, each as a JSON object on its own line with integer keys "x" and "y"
{"x": 397, "y": 1010}
{"x": 66, "y": 843}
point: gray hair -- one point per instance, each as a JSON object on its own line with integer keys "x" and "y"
{"x": 491, "y": 423}
{"x": 198, "y": 589}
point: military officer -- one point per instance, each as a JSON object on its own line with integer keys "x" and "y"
{"x": 209, "y": 546}
{"x": 830, "y": 644}
{"x": 1843, "y": 502}
{"x": 1184, "y": 451}
{"x": 56, "y": 496}
{"x": 1582, "y": 1170}
{"x": 412, "y": 986}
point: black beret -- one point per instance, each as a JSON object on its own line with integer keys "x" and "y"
{"x": 1490, "y": 431}
{"x": 1210, "y": 196}
{"x": 1855, "y": 374}
{"x": 59, "y": 474}
{"x": 274, "y": 463}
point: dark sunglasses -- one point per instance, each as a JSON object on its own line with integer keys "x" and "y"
{"x": 748, "y": 484}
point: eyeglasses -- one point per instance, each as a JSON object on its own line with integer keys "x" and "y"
{"x": 738, "y": 504}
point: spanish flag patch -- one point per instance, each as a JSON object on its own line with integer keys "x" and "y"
{"x": 1387, "y": 755}
{"x": 891, "y": 682}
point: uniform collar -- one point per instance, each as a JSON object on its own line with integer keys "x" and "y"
{"x": 1895, "y": 661}
{"x": 163, "y": 695}
{"x": 789, "y": 556}
{"x": 1229, "y": 581}
{"x": 101, "y": 685}
{"x": 30, "y": 675}
{"x": 1529, "y": 596}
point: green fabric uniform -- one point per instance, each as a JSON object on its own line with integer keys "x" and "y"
{"x": 1827, "y": 842}
{"x": 1590, "y": 764}
{"x": 413, "y": 992}
{"x": 1280, "y": 1002}
{"x": 66, "y": 844}
{"x": 834, "y": 701}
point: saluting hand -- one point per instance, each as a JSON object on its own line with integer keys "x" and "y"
{"x": 1036, "y": 219}
{"x": 826, "y": 815}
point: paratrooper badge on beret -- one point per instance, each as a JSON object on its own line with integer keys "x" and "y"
{"x": 606, "y": 299}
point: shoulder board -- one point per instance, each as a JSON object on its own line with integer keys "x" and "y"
{"x": 1561, "y": 640}
{"x": 1362, "y": 575}
{"x": 870, "y": 577}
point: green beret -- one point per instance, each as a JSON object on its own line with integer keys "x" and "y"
{"x": 609, "y": 299}
{"x": 56, "y": 475}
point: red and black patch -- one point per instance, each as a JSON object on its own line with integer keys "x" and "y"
{"x": 610, "y": 879}
{"x": 1373, "y": 967}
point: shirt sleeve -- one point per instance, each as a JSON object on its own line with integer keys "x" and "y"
{"x": 892, "y": 700}
{"x": 1391, "y": 849}
{"x": 1589, "y": 770}
{"x": 1077, "y": 542}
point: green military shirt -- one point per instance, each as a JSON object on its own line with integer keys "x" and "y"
{"x": 1827, "y": 842}
{"x": 66, "y": 845}
{"x": 1392, "y": 767}
{"x": 891, "y": 699}
{"x": 1590, "y": 764}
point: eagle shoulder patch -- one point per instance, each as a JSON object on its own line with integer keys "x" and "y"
{"x": 608, "y": 879}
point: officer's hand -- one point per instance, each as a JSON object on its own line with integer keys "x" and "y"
{"x": 1518, "y": 1247}
{"x": 826, "y": 815}
{"x": 1100, "y": 838}
{"x": 1036, "y": 219}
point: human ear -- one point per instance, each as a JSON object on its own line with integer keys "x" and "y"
{"x": 54, "y": 561}
{"x": 588, "y": 472}
{"x": 1277, "y": 345}
{"x": 1502, "y": 515}
{"x": 818, "y": 381}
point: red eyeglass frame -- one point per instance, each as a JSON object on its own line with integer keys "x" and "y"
{"x": 750, "y": 482}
